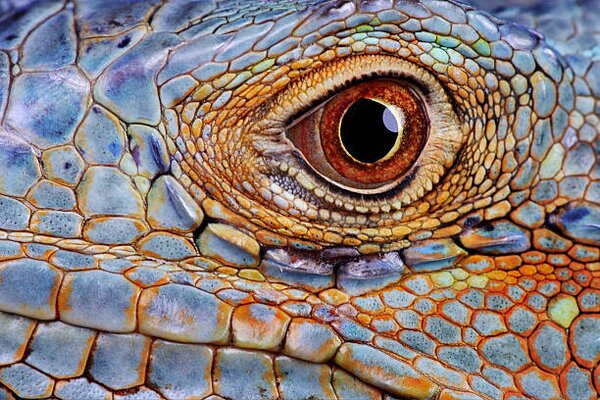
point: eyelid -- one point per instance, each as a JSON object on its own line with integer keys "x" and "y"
{"x": 320, "y": 93}
{"x": 312, "y": 89}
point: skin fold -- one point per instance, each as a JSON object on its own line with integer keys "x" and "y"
{"x": 163, "y": 235}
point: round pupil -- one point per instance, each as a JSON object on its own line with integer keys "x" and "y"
{"x": 369, "y": 130}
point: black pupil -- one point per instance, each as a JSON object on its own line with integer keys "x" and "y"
{"x": 368, "y": 130}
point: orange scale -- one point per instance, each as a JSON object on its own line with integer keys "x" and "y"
{"x": 528, "y": 270}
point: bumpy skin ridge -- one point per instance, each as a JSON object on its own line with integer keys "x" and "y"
{"x": 158, "y": 239}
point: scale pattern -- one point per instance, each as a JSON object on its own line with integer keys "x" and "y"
{"x": 152, "y": 247}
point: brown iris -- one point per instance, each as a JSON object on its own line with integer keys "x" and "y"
{"x": 366, "y": 136}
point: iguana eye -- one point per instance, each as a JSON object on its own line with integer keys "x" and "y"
{"x": 365, "y": 138}
{"x": 360, "y": 134}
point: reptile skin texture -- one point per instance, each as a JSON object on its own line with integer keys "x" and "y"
{"x": 170, "y": 230}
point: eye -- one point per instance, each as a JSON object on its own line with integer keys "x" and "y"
{"x": 362, "y": 135}
{"x": 365, "y": 138}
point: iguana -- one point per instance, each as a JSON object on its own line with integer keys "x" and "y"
{"x": 299, "y": 199}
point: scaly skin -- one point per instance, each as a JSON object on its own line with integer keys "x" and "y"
{"x": 160, "y": 240}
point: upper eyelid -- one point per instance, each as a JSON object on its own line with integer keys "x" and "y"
{"x": 398, "y": 68}
{"x": 323, "y": 100}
